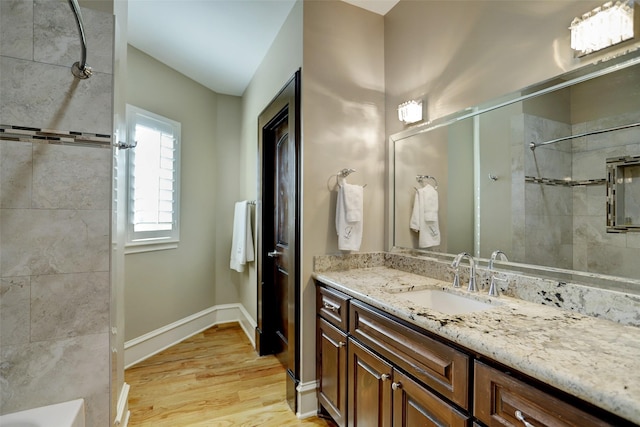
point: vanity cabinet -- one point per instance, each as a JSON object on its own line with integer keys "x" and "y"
{"x": 375, "y": 370}
{"x": 502, "y": 400}
{"x": 363, "y": 361}
{"x": 331, "y": 352}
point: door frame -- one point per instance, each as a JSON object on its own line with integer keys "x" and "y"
{"x": 287, "y": 101}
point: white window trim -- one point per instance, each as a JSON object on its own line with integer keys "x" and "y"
{"x": 171, "y": 240}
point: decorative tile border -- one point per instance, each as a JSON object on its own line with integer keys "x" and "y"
{"x": 563, "y": 182}
{"x": 49, "y": 136}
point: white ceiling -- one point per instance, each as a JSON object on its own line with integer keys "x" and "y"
{"x": 218, "y": 43}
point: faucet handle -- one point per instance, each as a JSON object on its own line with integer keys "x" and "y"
{"x": 472, "y": 283}
{"x": 493, "y": 288}
{"x": 456, "y": 278}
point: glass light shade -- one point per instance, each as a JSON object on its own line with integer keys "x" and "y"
{"x": 410, "y": 111}
{"x": 604, "y": 26}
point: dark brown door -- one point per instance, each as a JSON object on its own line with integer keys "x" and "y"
{"x": 278, "y": 257}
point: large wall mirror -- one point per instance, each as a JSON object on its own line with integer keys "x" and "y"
{"x": 545, "y": 206}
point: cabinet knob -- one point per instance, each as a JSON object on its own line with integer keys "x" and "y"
{"x": 398, "y": 386}
{"x": 342, "y": 344}
{"x": 520, "y": 417}
{"x": 385, "y": 377}
{"x": 331, "y": 307}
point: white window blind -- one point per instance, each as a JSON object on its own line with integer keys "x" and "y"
{"x": 153, "y": 178}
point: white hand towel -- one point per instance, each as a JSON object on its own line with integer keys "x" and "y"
{"x": 349, "y": 232}
{"x": 353, "y": 203}
{"x": 242, "y": 241}
{"x": 415, "y": 221}
{"x": 423, "y": 219}
{"x": 429, "y": 200}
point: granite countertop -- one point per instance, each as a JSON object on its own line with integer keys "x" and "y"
{"x": 593, "y": 359}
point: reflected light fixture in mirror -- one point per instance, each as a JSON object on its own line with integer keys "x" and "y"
{"x": 604, "y": 26}
{"x": 410, "y": 111}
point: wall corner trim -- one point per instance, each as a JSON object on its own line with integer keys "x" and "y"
{"x": 138, "y": 349}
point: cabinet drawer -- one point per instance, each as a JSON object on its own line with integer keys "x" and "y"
{"x": 437, "y": 365}
{"x": 500, "y": 400}
{"x": 333, "y": 306}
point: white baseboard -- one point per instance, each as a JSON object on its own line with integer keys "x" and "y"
{"x": 123, "y": 407}
{"x": 145, "y": 346}
{"x": 307, "y": 400}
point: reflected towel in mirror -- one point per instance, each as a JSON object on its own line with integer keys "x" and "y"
{"x": 424, "y": 217}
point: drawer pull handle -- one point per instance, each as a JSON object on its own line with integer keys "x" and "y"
{"x": 520, "y": 417}
{"x": 385, "y": 377}
{"x": 331, "y": 307}
{"x": 398, "y": 386}
{"x": 342, "y": 344}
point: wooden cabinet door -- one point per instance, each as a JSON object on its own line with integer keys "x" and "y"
{"x": 369, "y": 386}
{"x": 414, "y": 405}
{"x": 331, "y": 365}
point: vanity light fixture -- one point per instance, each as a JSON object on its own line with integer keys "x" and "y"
{"x": 410, "y": 111}
{"x": 604, "y": 26}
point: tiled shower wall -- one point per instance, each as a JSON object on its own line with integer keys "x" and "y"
{"x": 595, "y": 249}
{"x": 543, "y": 225}
{"x": 563, "y": 226}
{"x": 54, "y": 209}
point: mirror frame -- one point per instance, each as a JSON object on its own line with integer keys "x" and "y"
{"x": 568, "y": 79}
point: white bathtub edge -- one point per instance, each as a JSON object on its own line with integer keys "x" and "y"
{"x": 65, "y": 414}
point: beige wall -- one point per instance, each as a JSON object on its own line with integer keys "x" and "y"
{"x": 165, "y": 286}
{"x": 343, "y": 127}
{"x": 456, "y": 54}
{"x": 282, "y": 60}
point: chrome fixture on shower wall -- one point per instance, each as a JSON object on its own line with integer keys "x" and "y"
{"x": 80, "y": 69}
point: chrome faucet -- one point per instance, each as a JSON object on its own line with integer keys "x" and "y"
{"x": 493, "y": 290}
{"x": 472, "y": 274}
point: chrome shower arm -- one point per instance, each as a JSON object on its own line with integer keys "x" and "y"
{"x": 80, "y": 69}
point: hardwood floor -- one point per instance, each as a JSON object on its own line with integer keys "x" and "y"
{"x": 212, "y": 379}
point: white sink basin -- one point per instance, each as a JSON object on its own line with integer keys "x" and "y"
{"x": 444, "y": 302}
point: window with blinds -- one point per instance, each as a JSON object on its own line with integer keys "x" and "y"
{"x": 153, "y": 179}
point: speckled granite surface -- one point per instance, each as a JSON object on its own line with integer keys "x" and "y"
{"x": 594, "y": 359}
